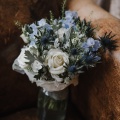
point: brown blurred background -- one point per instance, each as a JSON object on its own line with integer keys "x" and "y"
{"x": 17, "y": 93}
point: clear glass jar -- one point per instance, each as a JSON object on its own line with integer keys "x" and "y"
{"x": 52, "y": 105}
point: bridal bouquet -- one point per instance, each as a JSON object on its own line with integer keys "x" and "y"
{"x": 56, "y": 52}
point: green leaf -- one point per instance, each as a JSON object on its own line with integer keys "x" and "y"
{"x": 51, "y": 16}
{"x": 28, "y": 29}
{"x": 29, "y": 56}
{"x": 63, "y": 8}
{"x": 40, "y": 72}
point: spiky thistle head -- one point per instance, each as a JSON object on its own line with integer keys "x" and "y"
{"x": 108, "y": 42}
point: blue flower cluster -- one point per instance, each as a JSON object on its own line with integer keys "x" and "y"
{"x": 69, "y": 20}
{"x": 63, "y": 43}
{"x": 91, "y": 44}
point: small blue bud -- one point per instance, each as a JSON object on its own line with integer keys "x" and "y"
{"x": 89, "y": 59}
{"x": 66, "y": 26}
{"x": 74, "y": 51}
{"x": 44, "y": 40}
{"x": 72, "y": 68}
{"x": 106, "y": 41}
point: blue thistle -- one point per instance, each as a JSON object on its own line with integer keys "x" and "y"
{"x": 72, "y": 68}
{"x": 50, "y": 32}
{"x": 74, "y": 51}
{"x": 89, "y": 59}
{"x": 108, "y": 42}
{"x": 92, "y": 59}
{"x": 44, "y": 40}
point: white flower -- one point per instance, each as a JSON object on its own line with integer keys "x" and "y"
{"x": 56, "y": 43}
{"x": 67, "y": 45}
{"x": 21, "y": 59}
{"x": 74, "y": 40}
{"x": 81, "y": 35}
{"x": 56, "y": 60}
{"x": 63, "y": 31}
{"x": 36, "y": 65}
{"x": 25, "y": 38}
{"x": 57, "y": 78}
{"x": 55, "y": 22}
{"x": 30, "y": 75}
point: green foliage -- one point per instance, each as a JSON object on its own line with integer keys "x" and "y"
{"x": 28, "y": 29}
{"x": 51, "y": 16}
{"x": 85, "y": 27}
{"x": 40, "y": 73}
{"x": 63, "y": 8}
{"x": 30, "y": 57}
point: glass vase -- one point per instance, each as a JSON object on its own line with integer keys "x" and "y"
{"x": 52, "y": 105}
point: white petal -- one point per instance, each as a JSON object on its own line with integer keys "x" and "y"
{"x": 25, "y": 39}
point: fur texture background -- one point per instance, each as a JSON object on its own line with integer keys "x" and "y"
{"x": 97, "y": 97}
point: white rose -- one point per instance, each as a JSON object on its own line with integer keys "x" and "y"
{"x": 63, "y": 31}
{"x": 21, "y": 59}
{"x": 36, "y": 65}
{"x": 56, "y": 60}
{"x": 25, "y": 38}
